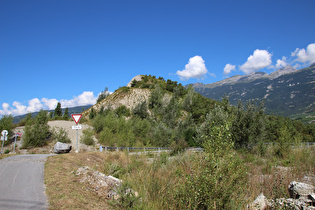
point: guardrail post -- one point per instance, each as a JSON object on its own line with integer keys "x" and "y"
{"x": 101, "y": 148}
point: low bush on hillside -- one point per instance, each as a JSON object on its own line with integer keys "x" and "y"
{"x": 36, "y": 132}
{"x": 61, "y": 135}
{"x": 87, "y": 137}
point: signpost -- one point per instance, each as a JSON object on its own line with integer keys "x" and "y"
{"x": 76, "y": 118}
{"x": 16, "y": 135}
{"x": 4, "y": 137}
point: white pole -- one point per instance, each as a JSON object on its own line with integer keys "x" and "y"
{"x": 2, "y": 143}
{"x": 77, "y": 142}
{"x": 14, "y": 143}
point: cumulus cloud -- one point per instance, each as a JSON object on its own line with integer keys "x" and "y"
{"x": 86, "y": 98}
{"x": 228, "y": 68}
{"x": 20, "y": 108}
{"x": 195, "y": 68}
{"x": 305, "y": 56}
{"x": 259, "y": 60}
{"x": 49, "y": 103}
{"x": 281, "y": 62}
{"x": 35, "y": 105}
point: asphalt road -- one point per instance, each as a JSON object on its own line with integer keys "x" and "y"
{"x": 22, "y": 182}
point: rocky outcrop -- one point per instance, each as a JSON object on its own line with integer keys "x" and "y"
{"x": 60, "y": 148}
{"x": 137, "y": 78}
{"x": 300, "y": 189}
{"x": 302, "y": 197}
{"x": 98, "y": 182}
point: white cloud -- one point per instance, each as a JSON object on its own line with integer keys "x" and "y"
{"x": 259, "y": 60}
{"x": 281, "y": 63}
{"x": 20, "y": 109}
{"x": 35, "y": 105}
{"x": 228, "y": 68}
{"x": 195, "y": 68}
{"x": 305, "y": 56}
{"x": 86, "y": 98}
{"x": 50, "y": 104}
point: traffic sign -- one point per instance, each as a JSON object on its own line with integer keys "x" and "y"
{"x": 76, "y": 117}
{"x": 76, "y": 127}
{"x": 4, "y": 138}
{"x": 4, "y": 133}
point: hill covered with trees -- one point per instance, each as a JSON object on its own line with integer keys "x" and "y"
{"x": 164, "y": 113}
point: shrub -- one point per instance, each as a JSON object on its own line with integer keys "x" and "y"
{"x": 122, "y": 111}
{"x": 218, "y": 177}
{"x": 140, "y": 110}
{"x": 87, "y": 137}
{"x": 61, "y": 135}
{"x": 37, "y": 135}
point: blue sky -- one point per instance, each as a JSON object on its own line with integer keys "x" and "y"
{"x": 70, "y": 50}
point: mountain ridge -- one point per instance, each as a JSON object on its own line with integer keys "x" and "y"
{"x": 287, "y": 91}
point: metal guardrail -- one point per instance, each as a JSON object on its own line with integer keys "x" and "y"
{"x": 145, "y": 149}
{"x": 293, "y": 144}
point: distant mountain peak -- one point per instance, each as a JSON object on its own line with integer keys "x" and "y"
{"x": 285, "y": 70}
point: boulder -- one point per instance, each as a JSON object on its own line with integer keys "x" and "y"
{"x": 60, "y": 148}
{"x": 104, "y": 186}
{"x": 300, "y": 189}
{"x": 98, "y": 182}
{"x": 260, "y": 203}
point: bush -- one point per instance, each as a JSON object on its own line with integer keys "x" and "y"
{"x": 140, "y": 110}
{"x": 61, "y": 135}
{"x": 122, "y": 111}
{"x": 37, "y": 135}
{"x": 218, "y": 177}
{"x": 7, "y": 151}
{"x": 87, "y": 137}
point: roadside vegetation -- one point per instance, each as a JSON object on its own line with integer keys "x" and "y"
{"x": 245, "y": 152}
{"x": 226, "y": 179}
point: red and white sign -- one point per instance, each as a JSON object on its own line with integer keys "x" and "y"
{"x": 76, "y": 117}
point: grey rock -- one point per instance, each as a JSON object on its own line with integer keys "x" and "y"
{"x": 60, "y": 148}
{"x": 300, "y": 189}
{"x": 260, "y": 203}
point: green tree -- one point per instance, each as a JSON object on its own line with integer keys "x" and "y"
{"x": 58, "y": 110}
{"x": 140, "y": 110}
{"x": 134, "y": 83}
{"x": 37, "y": 134}
{"x": 156, "y": 97}
{"x": 66, "y": 114}
{"x": 103, "y": 95}
{"x": 248, "y": 127}
{"x": 92, "y": 113}
{"x": 6, "y": 123}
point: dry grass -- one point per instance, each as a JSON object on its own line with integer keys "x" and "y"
{"x": 159, "y": 180}
{"x": 63, "y": 188}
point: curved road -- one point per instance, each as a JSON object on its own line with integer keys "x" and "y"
{"x": 22, "y": 182}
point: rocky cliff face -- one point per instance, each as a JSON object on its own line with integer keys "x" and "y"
{"x": 125, "y": 96}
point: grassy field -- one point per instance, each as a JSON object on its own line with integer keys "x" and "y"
{"x": 187, "y": 180}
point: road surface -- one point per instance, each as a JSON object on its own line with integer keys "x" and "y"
{"x": 22, "y": 182}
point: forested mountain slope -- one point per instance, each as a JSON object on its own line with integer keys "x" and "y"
{"x": 287, "y": 92}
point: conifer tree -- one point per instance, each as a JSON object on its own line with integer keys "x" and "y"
{"x": 58, "y": 111}
{"x": 66, "y": 114}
